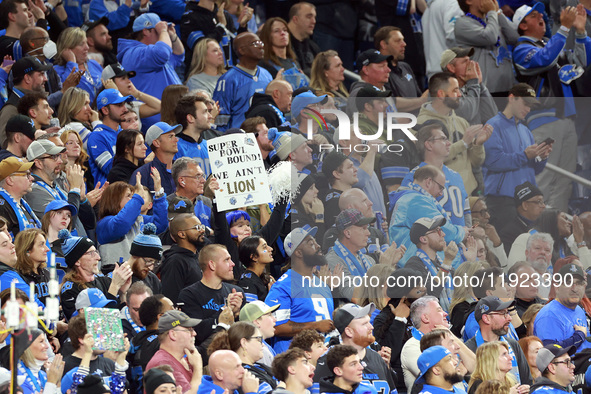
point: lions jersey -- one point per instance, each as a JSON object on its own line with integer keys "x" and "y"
{"x": 188, "y": 147}
{"x": 302, "y": 300}
{"x": 234, "y": 91}
{"x": 454, "y": 199}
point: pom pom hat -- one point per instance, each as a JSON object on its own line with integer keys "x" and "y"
{"x": 147, "y": 244}
{"x": 73, "y": 247}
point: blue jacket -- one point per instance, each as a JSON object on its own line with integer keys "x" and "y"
{"x": 118, "y": 19}
{"x": 112, "y": 228}
{"x": 154, "y": 66}
{"x": 8, "y": 274}
{"x": 101, "y": 149}
{"x": 91, "y": 84}
{"x": 168, "y": 10}
{"x": 165, "y": 176}
{"x": 411, "y": 204}
{"x": 207, "y": 386}
{"x": 506, "y": 165}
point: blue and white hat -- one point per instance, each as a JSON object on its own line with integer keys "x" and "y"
{"x": 159, "y": 128}
{"x": 93, "y": 298}
{"x": 296, "y": 237}
{"x": 73, "y": 247}
{"x": 429, "y": 358}
{"x": 147, "y": 243}
{"x": 524, "y": 11}
{"x": 111, "y": 96}
{"x": 148, "y": 20}
{"x": 57, "y": 205}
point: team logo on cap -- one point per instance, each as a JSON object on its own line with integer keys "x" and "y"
{"x": 484, "y": 308}
{"x": 180, "y": 204}
{"x": 523, "y": 192}
{"x": 175, "y": 323}
{"x": 147, "y": 23}
{"x": 32, "y": 123}
{"x": 573, "y": 268}
{"x": 289, "y": 244}
{"x": 104, "y": 101}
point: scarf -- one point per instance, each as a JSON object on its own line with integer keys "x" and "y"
{"x": 357, "y": 264}
{"x": 448, "y": 288}
{"x": 23, "y": 222}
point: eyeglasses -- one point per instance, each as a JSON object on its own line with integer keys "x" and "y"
{"x": 259, "y": 338}
{"x": 505, "y": 314}
{"x": 255, "y": 44}
{"x": 482, "y": 212}
{"x": 198, "y": 176}
{"x": 149, "y": 263}
{"x": 198, "y": 227}
{"x": 52, "y": 157}
{"x": 441, "y": 187}
{"x": 91, "y": 253}
{"x": 568, "y": 362}
{"x": 538, "y": 202}
{"x": 444, "y": 139}
{"x": 438, "y": 230}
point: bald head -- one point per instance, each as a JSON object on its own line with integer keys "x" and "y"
{"x": 31, "y": 39}
{"x": 356, "y": 199}
{"x": 244, "y": 39}
{"x": 179, "y": 223}
{"x": 277, "y": 84}
{"x": 226, "y": 370}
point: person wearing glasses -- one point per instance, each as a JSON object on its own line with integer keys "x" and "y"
{"x": 493, "y": 317}
{"x": 146, "y": 252}
{"x": 236, "y": 87}
{"x": 557, "y": 369}
{"x": 83, "y": 272}
{"x": 246, "y": 340}
{"x": 176, "y": 334}
{"x": 418, "y": 200}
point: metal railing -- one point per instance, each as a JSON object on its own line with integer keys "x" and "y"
{"x": 570, "y": 175}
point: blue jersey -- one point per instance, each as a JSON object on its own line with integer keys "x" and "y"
{"x": 428, "y": 389}
{"x": 454, "y": 199}
{"x": 234, "y": 91}
{"x": 188, "y": 147}
{"x": 554, "y": 323}
{"x": 101, "y": 149}
{"x": 302, "y": 300}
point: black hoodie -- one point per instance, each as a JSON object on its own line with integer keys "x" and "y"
{"x": 262, "y": 105}
{"x": 180, "y": 268}
{"x": 549, "y": 386}
{"x": 327, "y": 386}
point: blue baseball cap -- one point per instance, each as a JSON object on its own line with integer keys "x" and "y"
{"x": 111, "y": 96}
{"x": 302, "y": 100}
{"x": 524, "y": 11}
{"x": 56, "y": 205}
{"x": 429, "y": 358}
{"x": 148, "y": 20}
{"x": 92, "y": 298}
{"x": 159, "y": 128}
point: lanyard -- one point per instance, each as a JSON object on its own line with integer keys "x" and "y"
{"x": 23, "y": 222}
{"x": 127, "y": 315}
{"x": 55, "y": 192}
{"x": 37, "y": 382}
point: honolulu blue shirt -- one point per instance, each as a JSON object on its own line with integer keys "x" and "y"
{"x": 428, "y": 389}
{"x": 554, "y": 324}
{"x": 234, "y": 91}
{"x": 300, "y": 304}
{"x": 454, "y": 199}
{"x": 90, "y": 81}
{"x": 101, "y": 149}
{"x": 188, "y": 147}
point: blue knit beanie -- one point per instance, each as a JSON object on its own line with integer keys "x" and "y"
{"x": 147, "y": 243}
{"x": 73, "y": 247}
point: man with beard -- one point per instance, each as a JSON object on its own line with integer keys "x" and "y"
{"x": 557, "y": 368}
{"x": 146, "y": 252}
{"x": 528, "y": 282}
{"x": 353, "y": 323}
{"x": 511, "y": 154}
{"x": 426, "y": 315}
{"x": 347, "y": 372}
{"x": 213, "y": 296}
{"x": 111, "y": 107}
{"x": 438, "y": 371}
{"x": 236, "y": 87}
{"x": 130, "y": 317}
{"x": 100, "y": 44}
{"x": 179, "y": 267}
{"x": 466, "y": 151}
{"x": 562, "y": 321}
{"x": 493, "y": 318}
{"x": 306, "y": 301}
{"x": 192, "y": 114}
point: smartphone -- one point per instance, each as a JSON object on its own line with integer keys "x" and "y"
{"x": 7, "y": 62}
{"x": 549, "y": 141}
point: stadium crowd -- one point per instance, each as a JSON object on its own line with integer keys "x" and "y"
{"x": 421, "y": 244}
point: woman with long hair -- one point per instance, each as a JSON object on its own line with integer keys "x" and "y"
{"x": 121, "y": 217}
{"x": 279, "y": 54}
{"x": 307, "y": 208}
{"x": 72, "y": 54}
{"x": 75, "y": 113}
{"x": 76, "y": 154}
{"x": 375, "y": 289}
{"x": 58, "y": 216}
{"x": 463, "y": 300}
{"x": 32, "y": 360}
{"x": 530, "y": 346}
{"x": 494, "y": 361}
{"x": 246, "y": 340}
{"x": 207, "y": 66}
{"x": 31, "y": 260}
{"x": 255, "y": 255}
{"x": 130, "y": 152}
{"x": 170, "y": 97}
{"x": 328, "y": 74}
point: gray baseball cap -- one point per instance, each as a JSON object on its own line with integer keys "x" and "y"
{"x": 550, "y": 352}
{"x": 42, "y": 147}
{"x": 172, "y": 319}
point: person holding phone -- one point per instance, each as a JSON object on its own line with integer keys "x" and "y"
{"x": 512, "y": 156}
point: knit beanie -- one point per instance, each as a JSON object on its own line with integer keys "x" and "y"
{"x": 304, "y": 182}
{"x": 92, "y": 384}
{"x": 73, "y": 247}
{"x": 147, "y": 243}
{"x": 287, "y": 143}
{"x": 154, "y": 377}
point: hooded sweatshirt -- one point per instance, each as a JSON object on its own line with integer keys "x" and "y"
{"x": 180, "y": 269}
{"x": 327, "y": 386}
{"x": 547, "y": 386}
